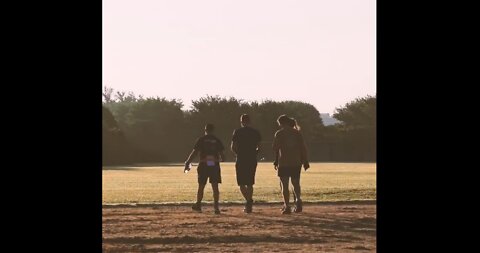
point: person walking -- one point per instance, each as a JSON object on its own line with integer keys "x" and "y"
{"x": 210, "y": 149}
{"x": 246, "y": 145}
{"x": 289, "y": 146}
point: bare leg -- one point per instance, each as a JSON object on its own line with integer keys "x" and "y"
{"x": 297, "y": 192}
{"x": 250, "y": 193}
{"x": 244, "y": 191}
{"x": 285, "y": 192}
{"x": 296, "y": 189}
{"x": 201, "y": 187}
{"x": 216, "y": 196}
{"x": 216, "y": 192}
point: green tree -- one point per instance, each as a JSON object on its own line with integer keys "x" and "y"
{"x": 160, "y": 131}
{"x": 360, "y": 113}
{"x": 115, "y": 148}
{"x": 359, "y": 128}
{"x": 107, "y": 95}
{"x": 224, "y": 113}
{"x": 155, "y": 126}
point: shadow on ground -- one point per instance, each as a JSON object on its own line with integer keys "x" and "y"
{"x": 341, "y": 228}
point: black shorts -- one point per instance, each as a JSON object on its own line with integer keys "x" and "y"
{"x": 209, "y": 172}
{"x": 245, "y": 170}
{"x": 289, "y": 171}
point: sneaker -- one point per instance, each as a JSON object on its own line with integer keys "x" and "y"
{"x": 197, "y": 207}
{"x": 298, "y": 206}
{"x": 217, "y": 210}
{"x": 286, "y": 210}
{"x": 248, "y": 207}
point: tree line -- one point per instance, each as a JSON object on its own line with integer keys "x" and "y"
{"x": 154, "y": 129}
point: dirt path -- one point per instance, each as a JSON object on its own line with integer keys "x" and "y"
{"x": 344, "y": 227}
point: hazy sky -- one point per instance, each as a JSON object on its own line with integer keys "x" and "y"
{"x": 317, "y": 51}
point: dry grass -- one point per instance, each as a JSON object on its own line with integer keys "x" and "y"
{"x": 168, "y": 183}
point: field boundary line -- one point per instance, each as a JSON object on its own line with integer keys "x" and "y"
{"x": 234, "y": 203}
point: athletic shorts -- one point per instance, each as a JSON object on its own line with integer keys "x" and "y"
{"x": 245, "y": 170}
{"x": 289, "y": 171}
{"x": 209, "y": 172}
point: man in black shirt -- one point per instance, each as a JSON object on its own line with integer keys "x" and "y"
{"x": 211, "y": 154}
{"x": 246, "y": 145}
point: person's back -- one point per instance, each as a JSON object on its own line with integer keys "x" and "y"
{"x": 291, "y": 147}
{"x": 246, "y": 145}
{"x": 210, "y": 149}
{"x": 247, "y": 139}
{"x": 208, "y": 146}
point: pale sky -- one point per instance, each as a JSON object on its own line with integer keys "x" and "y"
{"x": 322, "y": 52}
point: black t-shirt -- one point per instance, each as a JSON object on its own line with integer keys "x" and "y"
{"x": 246, "y": 139}
{"x": 208, "y": 145}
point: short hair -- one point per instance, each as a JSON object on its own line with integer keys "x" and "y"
{"x": 209, "y": 127}
{"x": 245, "y": 118}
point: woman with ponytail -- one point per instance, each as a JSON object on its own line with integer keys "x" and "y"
{"x": 291, "y": 154}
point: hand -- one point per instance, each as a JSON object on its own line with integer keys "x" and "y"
{"x": 187, "y": 168}
{"x": 306, "y": 165}
{"x": 221, "y": 158}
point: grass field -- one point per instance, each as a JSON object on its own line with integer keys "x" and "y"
{"x": 168, "y": 183}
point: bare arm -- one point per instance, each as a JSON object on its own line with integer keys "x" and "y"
{"x": 222, "y": 156}
{"x": 259, "y": 140}
{"x": 277, "y": 154}
{"x": 303, "y": 152}
{"x": 192, "y": 155}
{"x": 234, "y": 147}
{"x": 276, "y": 151}
{"x": 275, "y": 144}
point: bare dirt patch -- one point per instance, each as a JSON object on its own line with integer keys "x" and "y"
{"x": 324, "y": 227}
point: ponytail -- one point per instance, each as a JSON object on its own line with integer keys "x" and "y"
{"x": 296, "y": 126}
{"x": 293, "y": 123}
